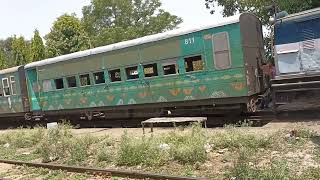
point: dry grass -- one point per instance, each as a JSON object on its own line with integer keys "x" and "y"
{"x": 226, "y": 154}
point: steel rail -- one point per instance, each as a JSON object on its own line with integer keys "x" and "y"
{"x": 100, "y": 172}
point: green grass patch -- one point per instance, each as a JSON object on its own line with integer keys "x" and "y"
{"x": 233, "y": 139}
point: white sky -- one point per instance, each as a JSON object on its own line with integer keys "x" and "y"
{"x": 22, "y": 17}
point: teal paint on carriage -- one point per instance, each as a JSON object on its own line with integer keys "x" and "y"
{"x": 13, "y": 102}
{"x": 33, "y": 89}
{"x": 185, "y": 86}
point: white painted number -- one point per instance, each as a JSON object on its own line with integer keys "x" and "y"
{"x": 189, "y": 41}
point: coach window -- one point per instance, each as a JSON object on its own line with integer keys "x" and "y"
{"x": 150, "y": 70}
{"x": 72, "y": 82}
{"x": 46, "y": 85}
{"x": 13, "y": 85}
{"x": 85, "y": 80}
{"x": 221, "y": 51}
{"x": 6, "y": 88}
{"x": 99, "y": 77}
{"x": 132, "y": 73}
{"x": 170, "y": 68}
{"x": 59, "y": 83}
{"x": 194, "y": 63}
{"x": 115, "y": 75}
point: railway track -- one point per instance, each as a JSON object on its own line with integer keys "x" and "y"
{"x": 101, "y": 172}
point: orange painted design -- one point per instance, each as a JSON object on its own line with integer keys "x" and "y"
{"x": 188, "y": 91}
{"x": 202, "y": 88}
{"x": 143, "y": 95}
{"x": 110, "y": 98}
{"x": 83, "y": 100}
{"x": 238, "y": 86}
{"x": 175, "y": 92}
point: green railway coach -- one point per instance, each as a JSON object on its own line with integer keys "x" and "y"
{"x": 13, "y": 92}
{"x": 201, "y": 69}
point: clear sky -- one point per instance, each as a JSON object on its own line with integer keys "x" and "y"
{"x": 21, "y": 17}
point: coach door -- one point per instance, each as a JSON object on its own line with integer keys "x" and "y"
{"x": 6, "y": 95}
{"x": 24, "y": 90}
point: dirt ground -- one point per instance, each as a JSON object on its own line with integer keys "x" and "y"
{"x": 269, "y": 128}
{"x": 116, "y": 133}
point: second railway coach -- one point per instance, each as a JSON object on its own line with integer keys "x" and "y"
{"x": 201, "y": 70}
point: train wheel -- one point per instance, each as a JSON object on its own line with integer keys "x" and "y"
{"x": 252, "y": 105}
{"x": 28, "y": 117}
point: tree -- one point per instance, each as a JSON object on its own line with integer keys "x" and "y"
{"x": 111, "y": 21}
{"x": 66, "y": 36}
{"x": 37, "y": 47}
{"x": 20, "y": 51}
{"x": 231, "y": 7}
{"x": 3, "y": 59}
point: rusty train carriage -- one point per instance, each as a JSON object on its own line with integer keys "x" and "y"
{"x": 202, "y": 70}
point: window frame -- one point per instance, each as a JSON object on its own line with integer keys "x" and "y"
{"x": 90, "y": 84}
{"x": 67, "y": 82}
{"x": 125, "y": 71}
{"x": 170, "y": 62}
{"x": 47, "y": 80}
{"x": 3, "y": 87}
{"x": 104, "y": 77}
{"x": 55, "y": 85}
{"x": 149, "y": 64}
{"x": 214, "y": 51}
{"x": 121, "y": 77}
{"x": 13, "y": 82}
{"x": 192, "y": 56}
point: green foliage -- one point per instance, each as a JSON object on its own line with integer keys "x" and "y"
{"x": 14, "y": 137}
{"x": 109, "y": 21}
{"x": 6, "y": 54}
{"x": 231, "y": 7}
{"x": 183, "y": 148}
{"x": 133, "y": 152}
{"x": 103, "y": 151}
{"x": 188, "y": 148}
{"x": 244, "y": 170}
{"x": 20, "y": 49}
{"x": 60, "y": 144}
{"x": 37, "y": 47}
{"x": 3, "y": 59}
{"x": 66, "y": 36}
{"x": 233, "y": 139}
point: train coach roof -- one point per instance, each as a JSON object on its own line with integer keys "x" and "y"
{"x": 302, "y": 15}
{"x": 9, "y": 70}
{"x": 130, "y": 43}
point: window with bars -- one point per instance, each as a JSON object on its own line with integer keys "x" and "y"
{"x": 115, "y": 75}
{"x": 85, "y": 80}
{"x": 13, "y": 85}
{"x": 194, "y": 63}
{"x": 6, "y": 87}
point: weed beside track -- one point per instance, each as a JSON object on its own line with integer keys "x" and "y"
{"x": 227, "y": 153}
